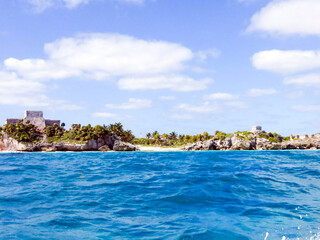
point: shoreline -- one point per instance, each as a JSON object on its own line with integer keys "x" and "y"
{"x": 159, "y": 149}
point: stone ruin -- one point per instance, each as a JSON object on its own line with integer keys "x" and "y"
{"x": 256, "y": 129}
{"x": 302, "y": 137}
{"x": 35, "y": 118}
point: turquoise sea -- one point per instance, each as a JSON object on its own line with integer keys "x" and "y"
{"x": 160, "y": 195}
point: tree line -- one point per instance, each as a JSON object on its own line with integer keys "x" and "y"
{"x": 28, "y": 133}
{"x": 170, "y": 139}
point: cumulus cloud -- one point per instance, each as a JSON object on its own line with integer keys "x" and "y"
{"x": 11, "y": 84}
{"x": 256, "y": 92}
{"x": 220, "y": 96}
{"x": 135, "y": 63}
{"x": 285, "y": 17}
{"x": 286, "y": 62}
{"x": 306, "y": 108}
{"x": 23, "y": 92}
{"x": 175, "y": 83}
{"x": 133, "y": 103}
{"x": 17, "y": 91}
{"x": 101, "y": 56}
{"x": 308, "y": 80}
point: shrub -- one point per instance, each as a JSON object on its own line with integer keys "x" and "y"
{"x": 22, "y": 132}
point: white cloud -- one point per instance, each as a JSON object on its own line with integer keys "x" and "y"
{"x": 74, "y": 3}
{"x": 167, "y": 98}
{"x": 284, "y": 17}
{"x": 133, "y": 103}
{"x": 17, "y": 91}
{"x": 103, "y": 56}
{"x": 208, "y": 53}
{"x": 41, "y": 5}
{"x": 174, "y": 83}
{"x": 136, "y": 64}
{"x": 203, "y": 108}
{"x": 309, "y": 80}
{"x": 306, "y": 108}
{"x": 11, "y": 84}
{"x": 256, "y": 92}
{"x": 23, "y": 92}
{"x": 286, "y": 62}
{"x": 220, "y": 96}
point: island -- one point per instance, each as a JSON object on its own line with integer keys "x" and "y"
{"x": 33, "y": 133}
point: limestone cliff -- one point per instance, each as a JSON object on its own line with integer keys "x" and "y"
{"x": 108, "y": 142}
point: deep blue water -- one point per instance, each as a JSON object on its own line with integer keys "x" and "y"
{"x": 144, "y": 195}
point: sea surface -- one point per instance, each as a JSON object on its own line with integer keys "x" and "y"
{"x": 160, "y": 195}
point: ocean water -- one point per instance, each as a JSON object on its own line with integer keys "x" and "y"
{"x": 148, "y": 195}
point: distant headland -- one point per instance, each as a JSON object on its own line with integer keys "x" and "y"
{"x": 35, "y": 133}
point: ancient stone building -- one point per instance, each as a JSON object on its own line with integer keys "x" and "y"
{"x": 35, "y": 118}
{"x": 256, "y": 129}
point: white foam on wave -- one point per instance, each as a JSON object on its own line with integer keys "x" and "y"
{"x": 314, "y": 237}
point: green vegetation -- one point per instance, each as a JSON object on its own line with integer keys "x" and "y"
{"x": 171, "y": 139}
{"x": 272, "y": 137}
{"x": 221, "y": 135}
{"x": 27, "y": 133}
{"x": 285, "y": 139}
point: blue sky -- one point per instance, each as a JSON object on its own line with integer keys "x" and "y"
{"x": 168, "y": 65}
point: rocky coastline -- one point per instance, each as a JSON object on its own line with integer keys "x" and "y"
{"x": 111, "y": 142}
{"x": 106, "y": 143}
{"x": 254, "y": 142}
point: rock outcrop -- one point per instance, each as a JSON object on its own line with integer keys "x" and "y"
{"x": 124, "y": 147}
{"x": 107, "y": 143}
{"x": 254, "y": 143}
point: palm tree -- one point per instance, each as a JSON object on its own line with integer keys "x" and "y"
{"x": 148, "y": 135}
{"x": 164, "y": 136}
{"x": 157, "y": 137}
{"x": 173, "y": 136}
{"x": 154, "y": 134}
{"x": 205, "y": 135}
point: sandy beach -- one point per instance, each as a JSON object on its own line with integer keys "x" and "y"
{"x": 158, "y": 149}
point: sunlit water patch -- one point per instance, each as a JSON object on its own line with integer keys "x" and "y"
{"x": 176, "y": 195}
